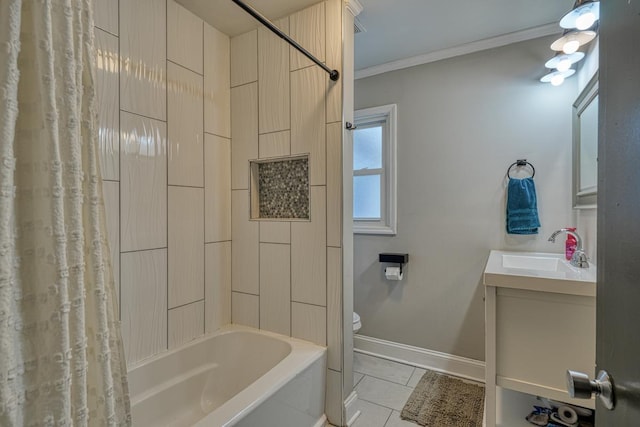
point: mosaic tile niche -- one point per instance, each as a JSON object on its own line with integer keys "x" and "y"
{"x": 280, "y": 188}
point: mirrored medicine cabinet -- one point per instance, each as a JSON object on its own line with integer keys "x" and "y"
{"x": 585, "y": 146}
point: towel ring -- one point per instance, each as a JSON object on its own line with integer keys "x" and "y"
{"x": 520, "y": 163}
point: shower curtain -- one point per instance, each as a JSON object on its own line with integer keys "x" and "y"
{"x": 61, "y": 358}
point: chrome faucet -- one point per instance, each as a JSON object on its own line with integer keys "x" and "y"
{"x": 579, "y": 258}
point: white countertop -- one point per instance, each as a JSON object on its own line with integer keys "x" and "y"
{"x": 536, "y": 271}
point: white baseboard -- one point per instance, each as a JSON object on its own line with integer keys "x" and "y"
{"x": 351, "y": 413}
{"x": 322, "y": 422}
{"x": 433, "y": 360}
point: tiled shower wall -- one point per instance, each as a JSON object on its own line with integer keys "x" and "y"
{"x": 287, "y": 275}
{"x": 164, "y": 110}
{"x": 169, "y": 86}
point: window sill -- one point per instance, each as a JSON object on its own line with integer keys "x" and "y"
{"x": 378, "y": 230}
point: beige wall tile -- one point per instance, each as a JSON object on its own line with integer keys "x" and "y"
{"x": 309, "y": 254}
{"x": 244, "y": 133}
{"x": 186, "y": 323}
{"x": 334, "y": 308}
{"x": 245, "y": 309}
{"x": 105, "y": 15}
{"x": 333, "y": 9}
{"x": 244, "y": 58}
{"x": 334, "y": 184}
{"x": 217, "y": 82}
{"x": 348, "y": 77}
{"x": 347, "y": 209}
{"x": 245, "y": 250}
{"x": 108, "y": 99}
{"x": 111, "y": 192}
{"x": 307, "y": 27}
{"x": 275, "y": 231}
{"x": 276, "y": 144}
{"x": 217, "y": 188}
{"x": 334, "y": 58}
{"x": 185, "y": 126}
{"x": 273, "y": 76}
{"x": 334, "y": 102}
{"x": 144, "y": 303}
{"x": 308, "y": 130}
{"x": 186, "y": 245}
{"x": 308, "y": 322}
{"x": 184, "y": 37}
{"x": 143, "y": 170}
{"x": 143, "y": 50}
{"x": 333, "y": 397}
{"x": 275, "y": 288}
{"x": 218, "y": 285}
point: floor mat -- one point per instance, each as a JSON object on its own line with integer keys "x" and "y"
{"x": 443, "y": 401}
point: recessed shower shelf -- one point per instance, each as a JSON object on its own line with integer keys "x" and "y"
{"x": 280, "y": 188}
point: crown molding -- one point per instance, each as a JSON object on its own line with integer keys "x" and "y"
{"x": 464, "y": 49}
{"x": 354, "y": 6}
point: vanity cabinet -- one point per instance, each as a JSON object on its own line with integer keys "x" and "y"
{"x": 537, "y": 327}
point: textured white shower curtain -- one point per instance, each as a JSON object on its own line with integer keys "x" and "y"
{"x": 61, "y": 358}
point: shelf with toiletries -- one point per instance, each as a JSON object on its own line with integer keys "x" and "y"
{"x": 540, "y": 321}
{"x": 513, "y": 408}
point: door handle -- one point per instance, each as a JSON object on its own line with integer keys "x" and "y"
{"x": 581, "y": 387}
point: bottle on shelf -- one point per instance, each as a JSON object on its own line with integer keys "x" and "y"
{"x": 570, "y": 245}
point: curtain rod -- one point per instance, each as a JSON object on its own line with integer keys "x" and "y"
{"x": 333, "y": 74}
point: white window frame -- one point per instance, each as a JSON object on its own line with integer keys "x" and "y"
{"x": 387, "y": 224}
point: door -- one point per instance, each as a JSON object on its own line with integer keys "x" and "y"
{"x": 618, "y": 301}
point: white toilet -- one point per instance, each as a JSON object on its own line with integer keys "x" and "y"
{"x": 356, "y": 322}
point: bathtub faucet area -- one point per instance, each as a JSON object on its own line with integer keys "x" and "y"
{"x": 579, "y": 258}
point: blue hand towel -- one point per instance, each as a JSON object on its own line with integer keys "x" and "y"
{"x": 522, "y": 207}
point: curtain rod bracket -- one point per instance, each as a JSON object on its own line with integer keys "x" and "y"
{"x": 333, "y": 74}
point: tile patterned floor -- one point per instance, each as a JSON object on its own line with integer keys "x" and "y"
{"x": 383, "y": 388}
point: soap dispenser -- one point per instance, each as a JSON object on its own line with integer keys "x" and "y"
{"x": 570, "y": 245}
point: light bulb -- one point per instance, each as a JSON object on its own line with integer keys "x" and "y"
{"x": 585, "y": 20}
{"x": 564, "y": 64}
{"x": 571, "y": 46}
{"x": 557, "y": 80}
{"x": 583, "y": 16}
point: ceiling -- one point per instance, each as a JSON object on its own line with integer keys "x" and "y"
{"x": 405, "y": 28}
{"x": 399, "y": 29}
{"x": 227, "y": 17}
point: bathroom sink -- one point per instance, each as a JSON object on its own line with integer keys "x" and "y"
{"x": 531, "y": 262}
{"x": 539, "y": 271}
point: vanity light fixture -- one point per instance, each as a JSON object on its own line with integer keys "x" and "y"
{"x": 556, "y": 78}
{"x": 563, "y": 61}
{"x": 584, "y": 14}
{"x": 571, "y": 41}
{"x": 580, "y": 26}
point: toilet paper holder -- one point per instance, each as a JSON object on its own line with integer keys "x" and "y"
{"x": 399, "y": 259}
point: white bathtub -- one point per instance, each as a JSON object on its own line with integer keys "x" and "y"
{"x": 237, "y": 377}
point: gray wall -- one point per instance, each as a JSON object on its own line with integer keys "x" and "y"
{"x": 461, "y": 123}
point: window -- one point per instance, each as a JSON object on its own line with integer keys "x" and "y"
{"x": 374, "y": 171}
